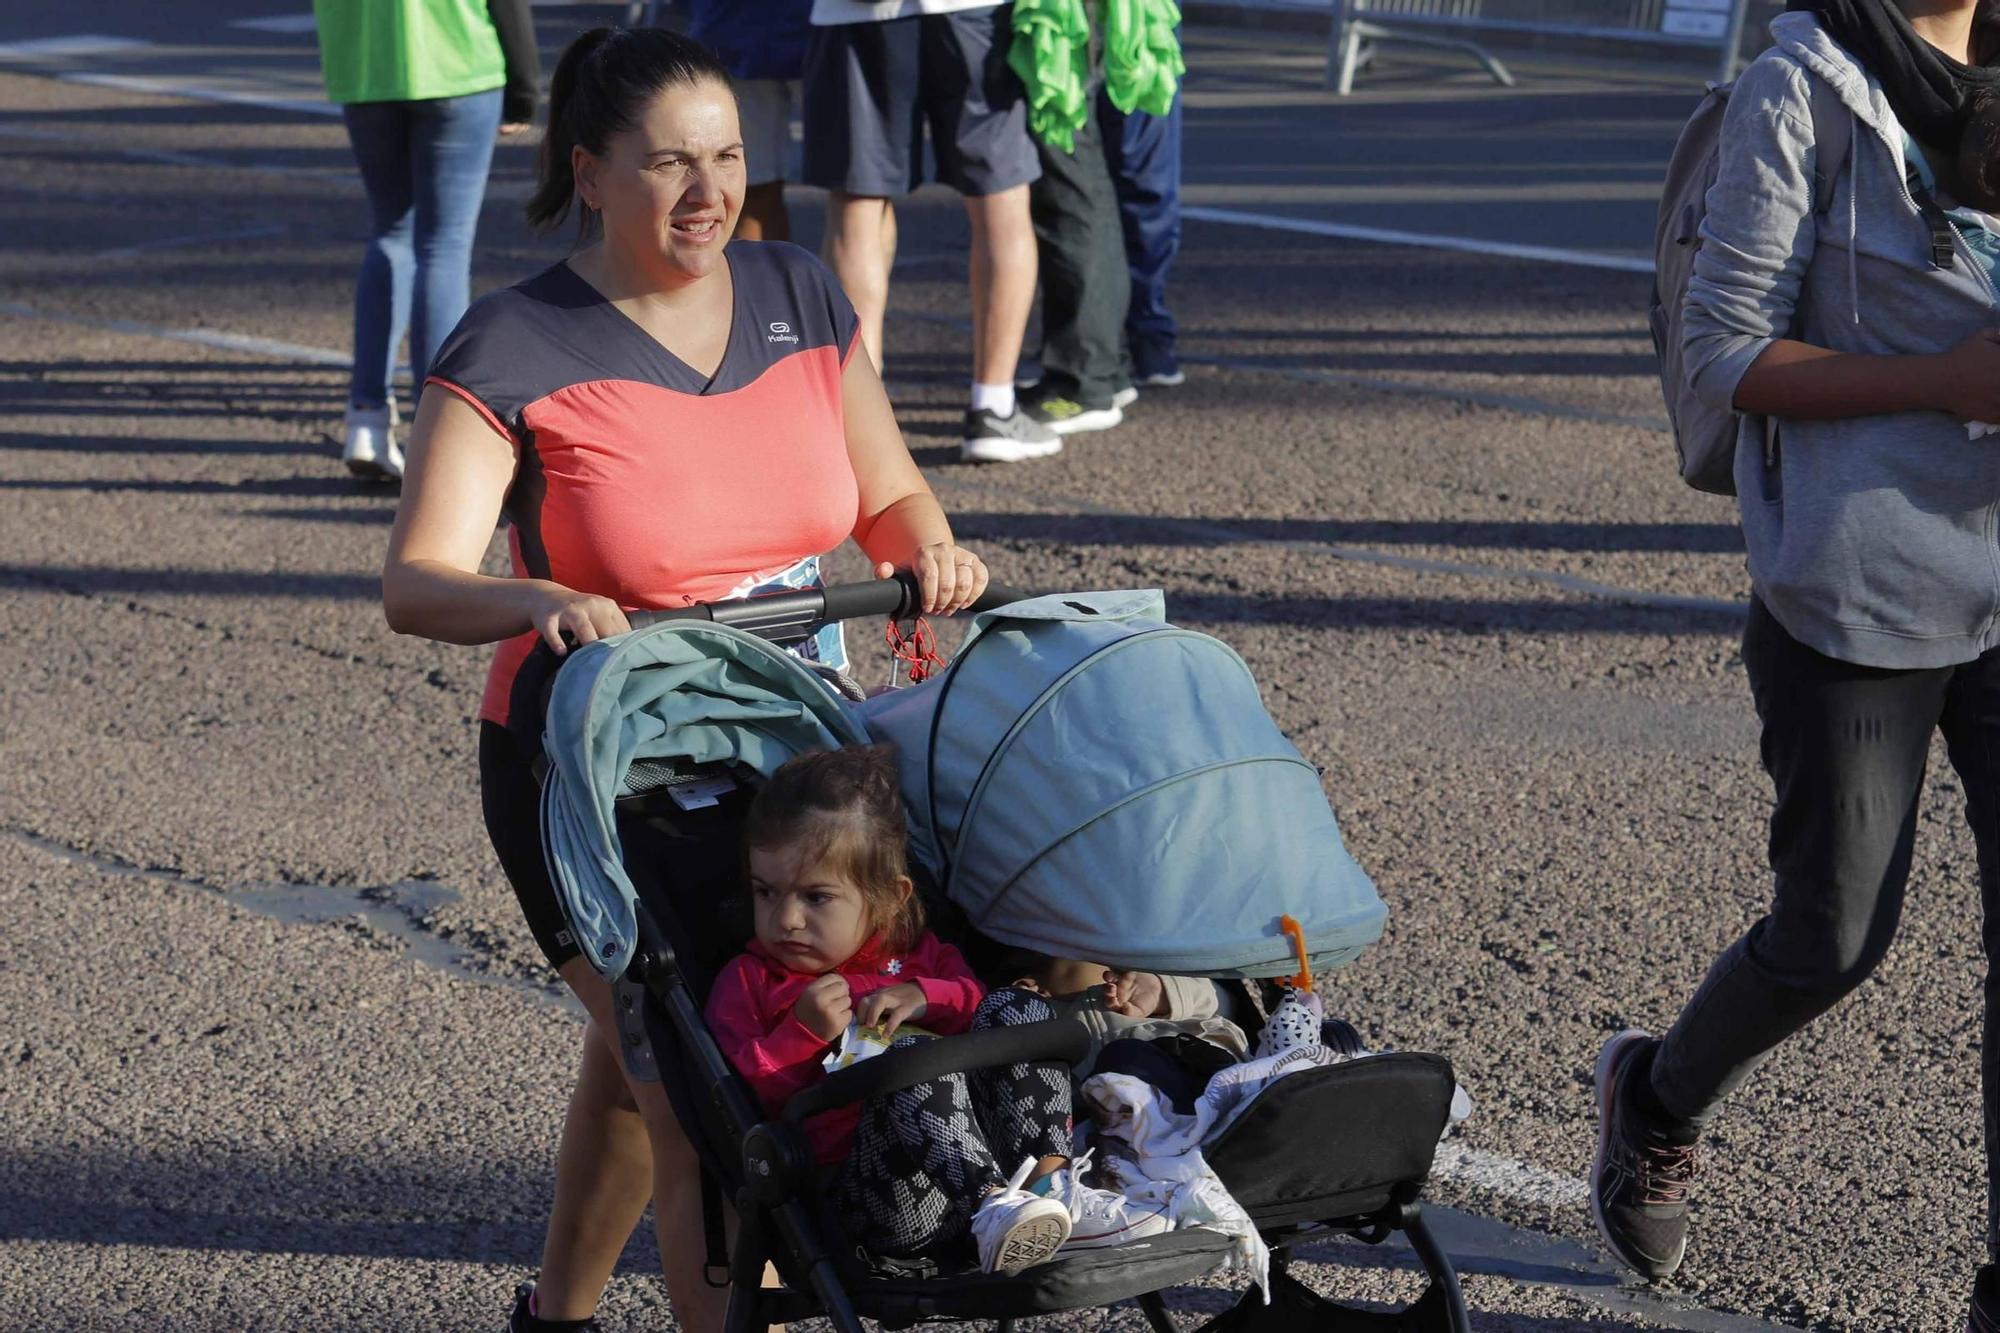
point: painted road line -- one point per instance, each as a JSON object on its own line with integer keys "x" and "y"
{"x": 258, "y": 232}
{"x": 167, "y": 157}
{"x": 1522, "y": 1181}
{"x": 59, "y": 48}
{"x": 290, "y": 23}
{"x": 132, "y": 83}
{"x": 232, "y": 342}
{"x": 1423, "y": 240}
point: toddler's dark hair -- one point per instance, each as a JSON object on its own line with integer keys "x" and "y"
{"x": 844, "y": 809}
{"x": 601, "y": 85}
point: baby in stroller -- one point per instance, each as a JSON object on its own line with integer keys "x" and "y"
{"x": 840, "y": 938}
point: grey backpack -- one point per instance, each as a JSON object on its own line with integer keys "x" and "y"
{"x": 1705, "y": 435}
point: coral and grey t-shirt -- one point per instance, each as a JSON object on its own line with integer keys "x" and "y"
{"x": 640, "y": 479}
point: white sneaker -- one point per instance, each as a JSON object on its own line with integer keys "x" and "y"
{"x": 1125, "y": 397}
{"x": 1014, "y": 438}
{"x": 1015, "y": 1229}
{"x": 371, "y": 451}
{"x": 1099, "y": 1218}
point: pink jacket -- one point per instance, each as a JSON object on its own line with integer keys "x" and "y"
{"x": 750, "y": 1013}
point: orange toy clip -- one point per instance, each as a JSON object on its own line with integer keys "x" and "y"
{"x": 1296, "y": 933}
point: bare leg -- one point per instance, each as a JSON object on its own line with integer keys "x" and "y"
{"x": 698, "y": 1307}
{"x": 764, "y": 216}
{"x": 888, "y": 237}
{"x": 603, "y": 1170}
{"x": 621, "y": 1145}
{"x": 1003, "y": 277}
{"x": 856, "y": 250}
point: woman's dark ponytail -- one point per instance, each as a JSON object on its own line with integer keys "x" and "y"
{"x": 599, "y": 89}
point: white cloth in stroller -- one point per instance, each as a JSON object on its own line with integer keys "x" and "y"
{"x": 1152, "y": 1161}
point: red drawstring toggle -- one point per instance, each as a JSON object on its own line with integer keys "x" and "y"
{"x": 916, "y": 650}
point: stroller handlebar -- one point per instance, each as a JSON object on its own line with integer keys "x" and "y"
{"x": 1054, "y": 1040}
{"x": 895, "y": 598}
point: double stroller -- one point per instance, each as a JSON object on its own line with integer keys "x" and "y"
{"x": 1084, "y": 781}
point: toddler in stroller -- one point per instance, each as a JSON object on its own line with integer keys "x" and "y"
{"x": 840, "y": 939}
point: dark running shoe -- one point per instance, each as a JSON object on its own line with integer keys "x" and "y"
{"x": 1641, "y": 1179}
{"x": 524, "y": 1320}
{"x": 1985, "y": 1315}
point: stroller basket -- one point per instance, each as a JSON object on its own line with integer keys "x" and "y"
{"x": 673, "y": 914}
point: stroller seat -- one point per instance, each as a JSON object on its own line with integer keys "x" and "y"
{"x": 1377, "y": 1121}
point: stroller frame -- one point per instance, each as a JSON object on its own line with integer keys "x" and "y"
{"x": 765, "y": 1167}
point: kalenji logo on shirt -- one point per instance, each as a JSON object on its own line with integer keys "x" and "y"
{"x": 781, "y": 332}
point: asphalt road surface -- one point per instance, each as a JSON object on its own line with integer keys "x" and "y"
{"x": 277, "y": 1052}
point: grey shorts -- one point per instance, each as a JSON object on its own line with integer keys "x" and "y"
{"x": 764, "y": 106}
{"x": 871, "y": 88}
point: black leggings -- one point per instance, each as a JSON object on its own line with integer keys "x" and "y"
{"x": 925, "y": 1157}
{"x": 512, "y": 802}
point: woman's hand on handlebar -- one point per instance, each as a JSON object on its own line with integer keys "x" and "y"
{"x": 555, "y": 610}
{"x": 949, "y": 577}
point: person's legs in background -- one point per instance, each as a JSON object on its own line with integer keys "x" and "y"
{"x": 379, "y": 133}
{"x": 1002, "y": 276}
{"x": 1972, "y": 732}
{"x": 765, "y": 106}
{"x": 862, "y": 145}
{"x": 452, "y": 151}
{"x": 978, "y": 118}
{"x": 1846, "y": 747}
{"x": 1085, "y": 287}
{"x": 856, "y": 250}
{"x": 1143, "y": 153}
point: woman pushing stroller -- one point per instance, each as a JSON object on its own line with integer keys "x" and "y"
{"x": 840, "y": 940}
{"x": 626, "y": 409}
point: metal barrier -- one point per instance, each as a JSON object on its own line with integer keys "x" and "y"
{"x": 1716, "y": 24}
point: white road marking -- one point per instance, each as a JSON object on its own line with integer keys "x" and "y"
{"x": 56, "y": 48}
{"x": 173, "y": 159}
{"x": 257, "y": 232}
{"x": 279, "y": 23}
{"x": 1472, "y": 245}
{"x": 1516, "y": 1179}
{"x": 233, "y": 342}
{"x": 133, "y": 83}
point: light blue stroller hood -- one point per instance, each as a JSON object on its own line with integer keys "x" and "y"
{"x": 680, "y": 690}
{"x": 1090, "y": 782}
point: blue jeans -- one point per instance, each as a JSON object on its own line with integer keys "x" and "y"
{"x": 424, "y": 165}
{"x": 1144, "y": 154}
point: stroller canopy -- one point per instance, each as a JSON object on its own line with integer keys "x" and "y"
{"x": 1090, "y": 782}
{"x": 677, "y": 691}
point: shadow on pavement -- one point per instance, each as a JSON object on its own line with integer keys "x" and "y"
{"x": 1148, "y": 530}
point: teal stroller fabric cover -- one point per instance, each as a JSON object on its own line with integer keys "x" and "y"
{"x": 1088, "y": 781}
{"x": 676, "y": 691}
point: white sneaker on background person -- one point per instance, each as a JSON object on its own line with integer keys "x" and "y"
{"x": 370, "y": 449}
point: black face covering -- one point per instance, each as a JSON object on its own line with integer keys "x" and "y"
{"x": 1930, "y": 92}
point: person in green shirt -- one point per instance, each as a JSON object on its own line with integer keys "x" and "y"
{"x": 423, "y": 86}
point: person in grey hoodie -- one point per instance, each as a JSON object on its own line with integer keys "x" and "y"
{"x": 1855, "y": 339}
